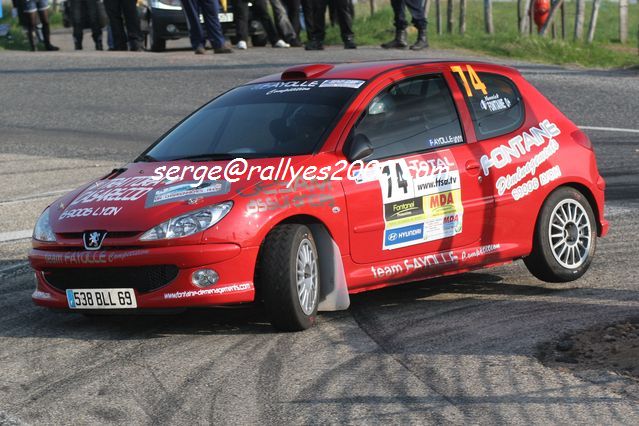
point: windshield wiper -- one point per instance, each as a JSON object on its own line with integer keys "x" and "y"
{"x": 145, "y": 158}
{"x": 205, "y": 157}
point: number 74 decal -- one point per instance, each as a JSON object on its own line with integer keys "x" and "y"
{"x": 474, "y": 79}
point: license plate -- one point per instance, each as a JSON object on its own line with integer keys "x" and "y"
{"x": 102, "y": 298}
{"x": 223, "y": 17}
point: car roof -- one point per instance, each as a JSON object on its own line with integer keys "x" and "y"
{"x": 365, "y": 70}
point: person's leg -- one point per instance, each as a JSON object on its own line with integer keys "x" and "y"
{"x": 260, "y": 11}
{"x": 241, "y": 15}
{"x": 43, "y": 13}
{"x": 76, "y": 20}
{"x": 30, "y": 18}
{"x": 345, "y": 19}
{"x": 282, "y": 23}
{"x": 116, "y": 23}
{"x": 293, "y": 12}
{"x": 417, "y": 9}
{"x": 210, "y": 10}
{"x": 309, "y": 9}
{"x": 317, "y": 21}
{"x": 192, "y": 13}
{"x": 399, "y": 42}
{"x": 130, "y": 11}
{"x": 94, "y": 20}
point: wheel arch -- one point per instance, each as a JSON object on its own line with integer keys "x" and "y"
{"x": 333, "y": 286}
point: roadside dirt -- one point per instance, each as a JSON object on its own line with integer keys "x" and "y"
{"x": 606, "y": 355}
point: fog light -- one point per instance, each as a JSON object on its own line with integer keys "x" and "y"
{"x": 204, "y": 277}
{"x": 171, "y": 28}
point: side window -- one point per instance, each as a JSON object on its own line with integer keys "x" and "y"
{"x": 413, "y": 115}
{"x": 495, "y": 110}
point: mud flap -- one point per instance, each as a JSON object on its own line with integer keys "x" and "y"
{"x": 333, "y": 288}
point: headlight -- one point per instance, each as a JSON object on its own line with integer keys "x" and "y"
{"x": 42, "y": 230}
{"x": 166, "y": 4}
{"x": 188, "y": 224}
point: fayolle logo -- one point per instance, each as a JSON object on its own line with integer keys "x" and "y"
{"x": 93, "y": 239}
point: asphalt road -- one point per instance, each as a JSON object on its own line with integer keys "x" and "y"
{"x": 455, "y": 350}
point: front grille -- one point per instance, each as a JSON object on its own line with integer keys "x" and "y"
{"x": 141, "y": 278}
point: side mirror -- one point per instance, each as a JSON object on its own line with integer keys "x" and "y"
{"x": 359, "y": 148}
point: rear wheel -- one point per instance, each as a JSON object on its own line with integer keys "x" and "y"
{"x": 565, "y": 237}
{"x": 289, "y": 277}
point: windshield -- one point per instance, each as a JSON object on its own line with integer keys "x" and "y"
{"x": 258, "y": 120}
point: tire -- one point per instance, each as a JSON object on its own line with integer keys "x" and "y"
{"x": 565, "y": 237}
{"x": 290, "y": 306}
{"x": 158, "y": 44}
{"x": 259, "y": 40}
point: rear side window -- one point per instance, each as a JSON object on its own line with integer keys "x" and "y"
{"x": 414, "y": 115}
{"x": 498, "y": 111}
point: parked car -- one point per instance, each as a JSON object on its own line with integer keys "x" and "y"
{"x": 162, "y": 20}
{"x": 304, "y": 187}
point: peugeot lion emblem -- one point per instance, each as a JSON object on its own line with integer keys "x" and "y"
{"x": 93, "y": 239}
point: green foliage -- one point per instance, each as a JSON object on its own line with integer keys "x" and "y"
{"x": 605, "y": 52}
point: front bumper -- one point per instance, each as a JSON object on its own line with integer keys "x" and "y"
{"x": 234, "y": 265}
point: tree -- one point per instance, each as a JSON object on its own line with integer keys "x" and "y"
{"x": 488, "y": 16}
{"x": 580, "y": 12}
{"x": 593, "y": 20}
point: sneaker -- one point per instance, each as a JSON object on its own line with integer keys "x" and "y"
{"x": 199, "y": 50}
{"x": 241, "y": 45}
{"x": 51, "y": 48}
{"x": 222, "y": 49}
{"x": 281, "y": 44}
{"x": 350, "y": 44}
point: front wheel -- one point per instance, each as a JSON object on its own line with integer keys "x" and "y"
{"x": 565, "y": 237}
{"x": 289, "y": 277}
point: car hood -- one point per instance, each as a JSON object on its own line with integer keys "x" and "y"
{"x": 134, "y": 198}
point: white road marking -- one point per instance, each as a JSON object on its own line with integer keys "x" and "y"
{"x": 34, "y": 197}
{"x": 15, "y": 235}
{"x": 10, "y": 269}
{"x": 609, "y": 129}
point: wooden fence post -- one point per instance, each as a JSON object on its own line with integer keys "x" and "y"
{"x": 488, "y": 16}
{"x": 524, "y": 19}
{"x": 593, "y": 20}
{"x": 438, "y": 11}
{"x": 623, "y": 21}
{"x": 462, "y": 17}
{"x": 449, "y": 17}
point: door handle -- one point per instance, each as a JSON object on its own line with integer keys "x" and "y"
{"x": 472, "y": 166}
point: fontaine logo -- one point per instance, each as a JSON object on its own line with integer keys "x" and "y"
{"x": 404, "y": 209}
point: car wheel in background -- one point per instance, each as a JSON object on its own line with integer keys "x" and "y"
{"x": 158, "y": 44}
{"x": 565, "y": 237}
{"x": 288, "y": 277}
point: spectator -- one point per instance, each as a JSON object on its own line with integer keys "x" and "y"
{"x": 116, "y": 10}
{"x": 293, "y": 13}
{"x": 92, "y": 11}
{"x": 418, "y": 13}
{"x": 260, "y": 12}
{"x": 283, "y": 23}
{"x": 315, "y": 16}
{"x": 30, "y": 9}
{"x": 213, "y": 29}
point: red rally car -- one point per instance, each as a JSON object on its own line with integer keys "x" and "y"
{"x": 300, "y": 188}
